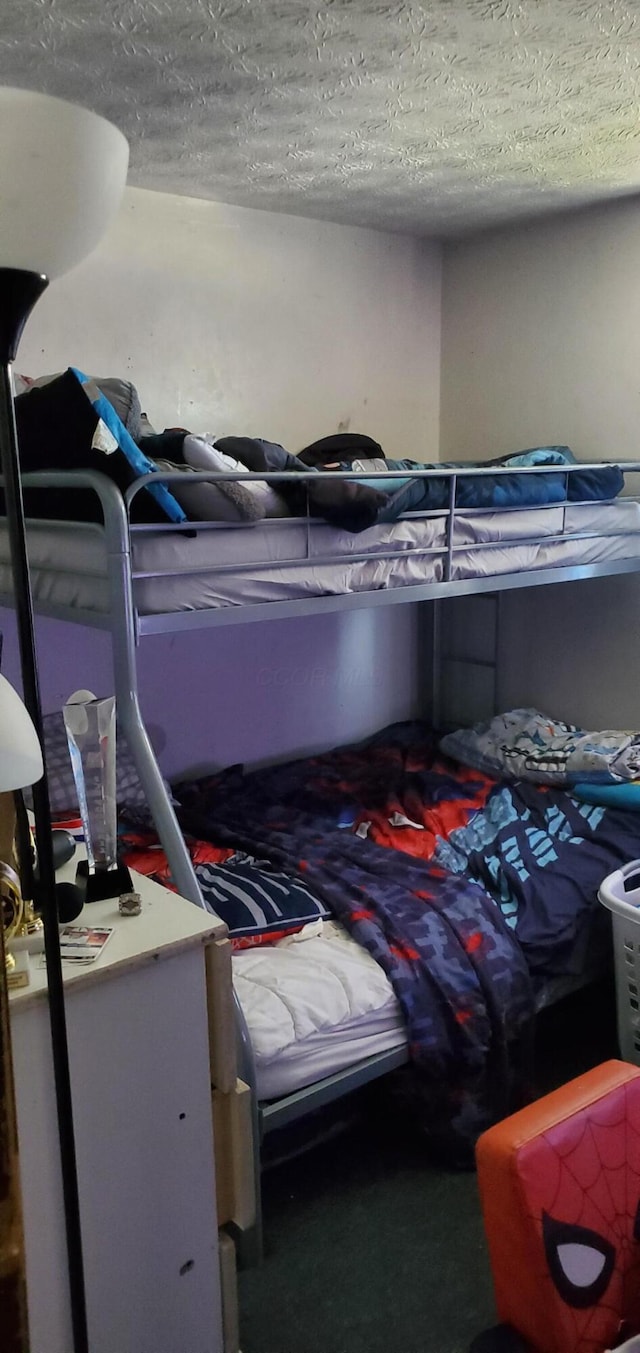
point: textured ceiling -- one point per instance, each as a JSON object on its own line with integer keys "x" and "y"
{"x": 432, "y": 118}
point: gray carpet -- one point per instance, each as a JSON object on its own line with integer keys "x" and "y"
{"x": 370, "y": 1247}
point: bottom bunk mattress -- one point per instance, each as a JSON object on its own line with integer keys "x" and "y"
{"x": 315, "y": 1004}
{"x": 314, "y": 999}
{"x": 224, "y": 565}
{"x": 470, "y": 897}
{"x": 469, "y": 892}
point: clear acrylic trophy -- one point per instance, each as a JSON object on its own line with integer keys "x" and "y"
{"x": 91, "y": 734}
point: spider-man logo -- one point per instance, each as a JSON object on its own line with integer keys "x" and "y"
{"x": 581, "y": 1179}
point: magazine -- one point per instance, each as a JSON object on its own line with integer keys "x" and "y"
{"x": 83, "y": 943}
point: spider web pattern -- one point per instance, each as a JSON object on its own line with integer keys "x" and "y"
{"x": 585, "y": 1172}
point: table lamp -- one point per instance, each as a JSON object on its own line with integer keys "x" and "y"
{"x": 20, "y": 750}
{"x": 20, "y": 766}
{"x": 62, "y": 174}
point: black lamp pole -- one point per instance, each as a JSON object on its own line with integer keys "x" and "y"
{"x": 19, "y": 291}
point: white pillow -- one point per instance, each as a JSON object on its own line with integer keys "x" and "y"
{"x": 209, "y": 502}
{"x": 201, "y": 455}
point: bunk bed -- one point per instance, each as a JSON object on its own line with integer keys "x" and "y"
{"x": 133, "y": 579}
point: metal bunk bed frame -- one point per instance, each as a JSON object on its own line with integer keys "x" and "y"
{"x": 128, "y": 626}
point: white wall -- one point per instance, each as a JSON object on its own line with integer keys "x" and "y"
{"x": 541, "y": 344}
{"x": 541, "y": 338}
{"x": 230, "y": 320}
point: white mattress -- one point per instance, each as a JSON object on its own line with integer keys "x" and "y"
{"x": 69, "y": 563}
{"x": 314, "y": 1004}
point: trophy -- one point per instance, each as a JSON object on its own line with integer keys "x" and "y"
{"x": 91, "y": 734}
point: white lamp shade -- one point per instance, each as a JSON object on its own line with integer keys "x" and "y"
{"x": 20, "y": 751}
{"x": 62, "y": 175}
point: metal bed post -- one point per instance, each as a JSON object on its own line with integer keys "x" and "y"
{"x": 497, "y": 643}
{"x": 436, "y": 663}
{"x": 124, "y": 644}
{"x": 437, "y": 655}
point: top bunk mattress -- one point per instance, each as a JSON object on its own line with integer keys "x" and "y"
{"x": 222, "y": 565}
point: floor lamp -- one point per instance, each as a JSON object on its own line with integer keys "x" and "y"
{"x": 62, "y": 174}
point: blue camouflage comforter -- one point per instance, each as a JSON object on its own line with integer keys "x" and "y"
{"x": 499, "y": 491}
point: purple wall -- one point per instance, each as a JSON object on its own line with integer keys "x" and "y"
{"x": 250, "y": 692}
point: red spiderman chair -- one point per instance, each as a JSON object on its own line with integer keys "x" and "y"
{"x": 560, "y": 1191}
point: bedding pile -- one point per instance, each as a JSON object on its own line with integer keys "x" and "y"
{"x": 73, "y": 422}
{"x": 467, "y": 890}
{"x": 357, "y": 505}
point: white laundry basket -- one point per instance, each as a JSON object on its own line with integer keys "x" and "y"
{"x": 620, "y": 893}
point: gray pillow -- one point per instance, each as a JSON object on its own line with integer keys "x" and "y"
{"x": 122, "y": 395}
{"x": 125, "y": 400}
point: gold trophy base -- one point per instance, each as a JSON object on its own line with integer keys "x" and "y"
{"x": 29, "y": 934}
{"x": 18, "y": 969}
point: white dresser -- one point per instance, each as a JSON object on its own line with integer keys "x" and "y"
{"x": 139, "y": 1047}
